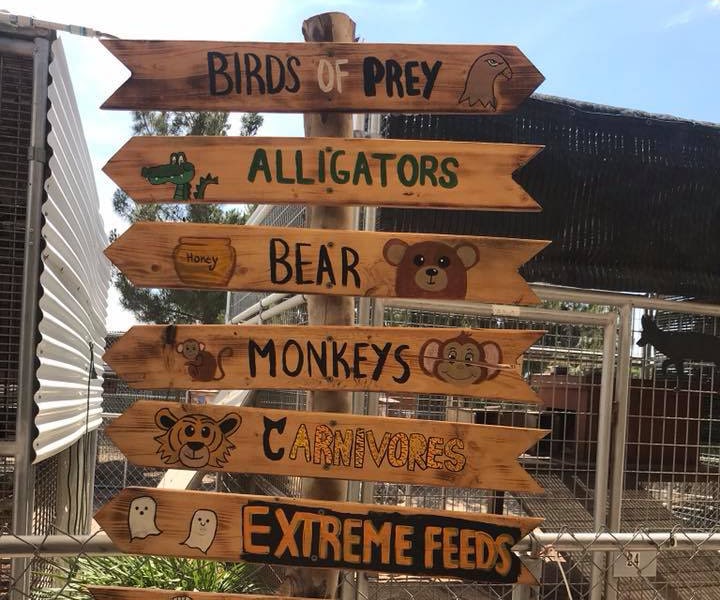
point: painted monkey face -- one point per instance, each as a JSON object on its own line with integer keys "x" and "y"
{"x": 196, "y": 441}
{"x": 460, "y": 360}
{"x": 190, "y": 348}
{"x": 460, "y": 364}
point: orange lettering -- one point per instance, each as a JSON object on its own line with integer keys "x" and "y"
{"x": 431, "y": 544}
{"x": 329, "y": 530}
{"x": 398, "y": 449}
{"x": 402, "y": 544}
{"x": 301, "y": 441}
{"x": 435, "y": 449}
{"x": 503, "y": 543}
{"x": 418, "y": 448}
{"x": 376, "y": 537}
{"x": 248, "y": 512}
{"x": 485, "y": 552}
{"x": 450, "y": 547}
{"x": 378, "y": 453}
{"x": 342, "y": 448}
{"x": 455, "y": 461}
{"x": 351, "y": 539}
{"x": 322, "y": 445}
{"x": 467, "y": 550}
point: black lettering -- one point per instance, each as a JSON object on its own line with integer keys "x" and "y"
{"x": 410, "y": 79}
{"x": 428, "y": 166}
{"x": 279, "y": 259}
{"x": 348, "y": 267}
{"x": 357, "y": 359}
{"x": 406, "y": 368}
{"x": 382, "y": 357}
{"x": 449, "y": 178}
{"x": 341, "y": 176}
{"x": 266, "y": 351}
{"x": 324, "y": 267}
{"x": 215, "y": 70}
{"x": 279, "y": 169}
{"x": 238, "y": 73}
{"x": 300, "y": 358}
{"x": 270, "y": 426}
{"x": 292, "y": 75}
{"x": 362, "y": 168}
{"x": 259, "y": 163}
{"x": 383, "y": 158}
{"x": 431, "y": 75}
{"x": 319, "y": 358}
{"x": 299, "y": 169}
{"x": 373, "y": 73}
{"x": 337, "y": 359}
{"x": 300, "y": 263}
{"x": 272, "y": 87}
{"x": 394, "y": 78}
{"x": 408, "y": 159}
{"x": 253, "y": 73}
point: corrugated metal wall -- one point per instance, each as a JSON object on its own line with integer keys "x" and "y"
{"x": 74, "y": 281}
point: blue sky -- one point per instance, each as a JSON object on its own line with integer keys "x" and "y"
{"x": 659, "y": 56}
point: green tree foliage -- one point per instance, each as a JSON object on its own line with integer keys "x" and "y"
{"x": 178, "y": 306}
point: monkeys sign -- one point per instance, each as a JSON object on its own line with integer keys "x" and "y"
{"x": 461, "y": 362}
{"x": 346, "y": 263}
{"x": 321, "y": 76}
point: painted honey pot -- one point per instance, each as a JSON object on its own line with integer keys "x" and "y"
{"x": 204, "y": 261}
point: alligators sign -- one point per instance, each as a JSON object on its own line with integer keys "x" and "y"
{"x": 313, "y": 77}
{"x": 322, "y": 170}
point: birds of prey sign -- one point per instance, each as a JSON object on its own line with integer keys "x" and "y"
{"x": 322, "y": 171}
{"x": 315, "y": 533}
{"x": 316, "y": 444}
{"x": 324, "y": 76}
{"x": 462, "y": 362}
{"x": 322, "y": 261}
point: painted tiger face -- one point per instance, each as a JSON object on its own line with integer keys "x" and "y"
{"x": 195, "y": 441}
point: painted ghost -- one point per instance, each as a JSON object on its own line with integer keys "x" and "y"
{"x": 141, "y": 518}
{"x": 480, "y": 82}
{"x": 202, "y": 530}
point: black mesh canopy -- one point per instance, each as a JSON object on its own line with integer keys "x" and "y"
{"x": 630, "y": 200}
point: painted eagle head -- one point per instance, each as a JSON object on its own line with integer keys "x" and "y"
{"x": 480, "y": 82}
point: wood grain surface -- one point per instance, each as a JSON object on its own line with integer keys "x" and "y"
{"x": 335, "y": 171}
{"x": 327, "y": 262}
{"x": 461, "y": 362}
{"x": 315, "y": 533}
{"x": 321, "y": 77}
{"x": 127, "y": 593}
{"x": 328, "y": 445}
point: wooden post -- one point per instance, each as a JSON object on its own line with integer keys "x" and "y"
{"x": 325, "y": 310}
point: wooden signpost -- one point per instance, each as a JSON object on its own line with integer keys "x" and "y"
{"x": 329, "y": 174}
{"x": 462, "y": 362}
{"x": 127, "y": 593}
{"x": 315, "y": 261}
{"x": 333, "y": 171}
{"x": 321, "y": 77}
{"x": 316, "y": 444}
{"x": 314, "y": 533}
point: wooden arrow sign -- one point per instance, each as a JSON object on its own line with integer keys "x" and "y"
{"x": 327, "y": 77}
{"x": 317, "y": 444}
{"x": 314, "y": 261}
{"x": 322, "y": 171}
{"x": 462, "y": 362}
{"x": 314, "y": 533}
{"x": 126, "y": 593}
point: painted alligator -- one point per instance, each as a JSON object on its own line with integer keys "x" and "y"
{"x": 180, "y": 172}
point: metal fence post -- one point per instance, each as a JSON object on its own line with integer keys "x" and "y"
{"x": 602, "y": 460}
{"x": 24, "y": 483}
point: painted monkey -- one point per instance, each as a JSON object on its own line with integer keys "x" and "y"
{"x": 431, "y": 269}
{"x": 201, "y": 364}
{"x": 460, "y": 360}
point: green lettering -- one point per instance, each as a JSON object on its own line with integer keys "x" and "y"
{"x": 449, "y": 179}
{"x": 404, "y": 160}
{"x": 299, "y": 169}
{"x": 341, "y": 176}
{"x": 362, "y": 168}
{"x": 428, "y": 166}
{"x": 259, "y": 163}
{"x": 279, "y": 169}
{"x": 383, "y": 158}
